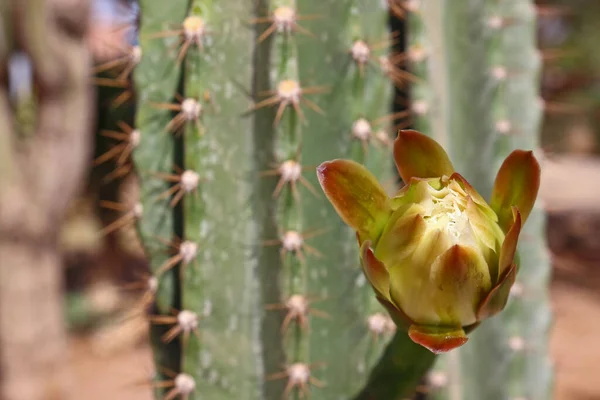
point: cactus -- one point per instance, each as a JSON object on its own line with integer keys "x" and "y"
{"x": 44, "y": 150}
{"x": 478, "y": 95}
{"x": 258, "y": 290}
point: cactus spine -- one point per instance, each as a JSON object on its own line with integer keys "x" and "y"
{"x": 259, "y": 290}
{"x": 478, "y": 95}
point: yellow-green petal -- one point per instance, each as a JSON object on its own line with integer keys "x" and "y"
{"x": 461, "y": 279}
{"x": 356, "y": 195}
{"x": 419, "y": 156}
{"x": 375, "y": 271}
{"x": 474, "y": 194}
{"x": 411, "y": 288}
{"x": 498, "y": 297}
{"x": 401, "y": 234}
{"x": 509, "y": 247}
{"x": 516, "y": 184}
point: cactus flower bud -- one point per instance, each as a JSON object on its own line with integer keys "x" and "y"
{"x": 438, "y": 256}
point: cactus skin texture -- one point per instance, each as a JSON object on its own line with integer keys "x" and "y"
{"x": 478, "y": 96}
{"x": 261, "y": 294}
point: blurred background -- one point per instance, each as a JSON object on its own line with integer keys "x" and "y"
{"x": 109, "y": 351}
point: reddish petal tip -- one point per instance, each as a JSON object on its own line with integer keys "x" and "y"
{"x": 322, "y": 168}
{"x": 437, "y": 339}
{"x": 375, "y": 271}
{"x": 498, "y": 297}
{"x": 517, "y": 184}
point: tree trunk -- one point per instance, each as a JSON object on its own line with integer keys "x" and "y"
{"x": 39, "y": 175}
{"x": 32, "y": 339}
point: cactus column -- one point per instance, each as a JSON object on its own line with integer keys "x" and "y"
{"x": 260, "y": 292}
{"x": 479, "y": 96}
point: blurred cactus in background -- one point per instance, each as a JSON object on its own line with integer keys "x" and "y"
{"x": 44, "y": 152}
{"x": 478, "y": 95}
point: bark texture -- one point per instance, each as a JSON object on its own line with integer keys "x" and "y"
{"x": 39, "y": 175}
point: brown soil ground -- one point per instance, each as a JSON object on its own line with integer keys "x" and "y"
{"x": 574, "y": 345}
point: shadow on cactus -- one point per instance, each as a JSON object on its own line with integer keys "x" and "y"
{"x": 439, "y": 257}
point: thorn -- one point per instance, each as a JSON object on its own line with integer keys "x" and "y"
{"x": 497, "y": 22}
{"x": 397, "y": 75}
{"x": 192, "y": 32}
{"x": 290, "y": 171}
{"x": 437, "y": 379}
{"x": 299, "y": 377}
{"x": 503, "y": 126}
{"x": 298, "y": 309}
{"x": 396, "y": 7}
{"x": 283, "y": 20}
{"x": 548, "y": 55}
{"x": 560, "y": 108}
{"x": 130, "y": 215}
{"x": 122, "y": 98}
{"x": 383, "y": 138}
{"x": 128, "y": 62}
{"x": 517, "y": 290}
{"x": 184, "y": 323}
{"x": 415, "y": 54}
{"x": 130, "y": 138}
{"x": 401, "y": 8}
{"x": 181, "y": 385}
{"x": 420, "y": 107}
{"x": 380, "y": 324}
{"x": 294, "y": 242}
{"x": 499, "y": 73}
{"x": 184, "y": 252}
{"x": 189, "y": 110}
{"x": 186, "y": 182}
{"x": 552, "y": 11}
{"x": 517, "y": 344}
{"x": 362, "y": 54}
{"x": 404, "y": 116}
{"x": 288, "y": 93}
{"x": 149, "y": 285}
{"x": 362, "y": 131}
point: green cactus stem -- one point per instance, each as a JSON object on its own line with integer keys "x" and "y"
{"x": 478, "y": 95}
{"x": 262, "y": 294}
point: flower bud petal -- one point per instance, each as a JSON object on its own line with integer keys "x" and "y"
{"x": 419, "y": 156}
{"x": 375, "y": 271}
{"x": 488, "y": 235}
{"x": 461, "y": 279}
{"x": 517, "y": 184}
{"x": 477, "y": 198}
{"x": 438, "y": 339}
{"x": 400, "y": 236}
{"x": 509, "y": 247}
{"x": 488, "y": 232}
{"x": 410, "y": 280}
{"x": 356, "y": 195}
{"x": 498, "y": 297}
